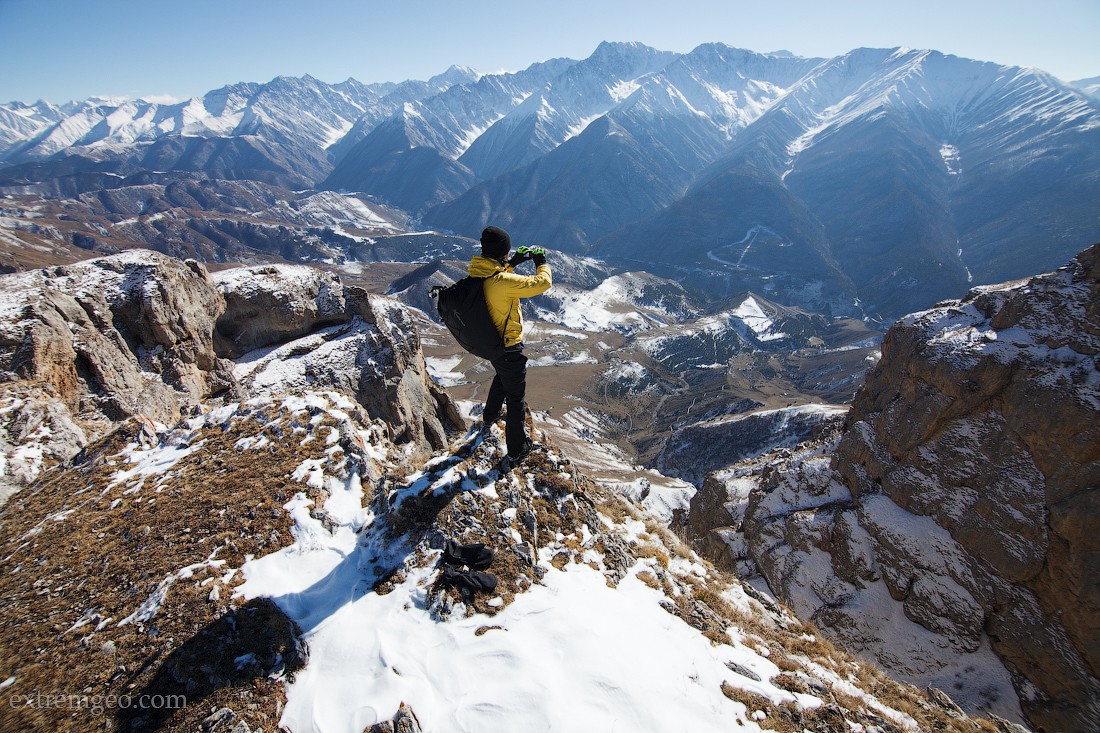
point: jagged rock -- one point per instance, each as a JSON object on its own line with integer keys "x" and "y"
{"x": 116, "y": 336}
{"x": 141, "y": 333}
{"x": 1005, "y": 726}
{"x": 743, "y": 671}
{"x": 403, "y": 722}
{"x": 941, "y": 698}
{"x": 36, "y": 431}
{"x": 958, "y": 510}
{"x": 984, "y": 415}
{"x": 410, "y": 398}
{"x": 220, "y": 719}
{"x": 85, "y": 345}
{"x": 333, "y": 336}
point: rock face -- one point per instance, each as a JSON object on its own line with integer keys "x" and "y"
{"x": 296, "y": 327}
{"x": 116, "y": 336}
{"x": 996, "y": 437}
{"x": 275, "y": 304}
{"x": 956, "y": 515}
{"x": 35, "y": 429}
{"x": 694, "y": 451}
{"x": 141, "y": 333}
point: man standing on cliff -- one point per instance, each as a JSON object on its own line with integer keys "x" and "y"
{"x": 503, "y": 290}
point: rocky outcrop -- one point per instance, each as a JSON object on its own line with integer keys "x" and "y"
{"x": 956, "y": 515}
{"x": 116, "y": 336}
{"x": 996, "y": 437}
{"x": 296, "y": 327}
{"x": 140, "y": 333}
{"x": 274, "y": 304}
{"x": 403, "y": 722}
{"x": 36, "y": 429}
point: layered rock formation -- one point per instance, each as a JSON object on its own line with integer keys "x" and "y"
{"x": 956, "y": 515}
{"x": 116, "y": 336}
{"x": 297, "y": 326}
{"x": 86, "y": 345}
{"x": 694, "y": 451}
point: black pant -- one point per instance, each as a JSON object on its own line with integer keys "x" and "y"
{"x": 509, "y": 386}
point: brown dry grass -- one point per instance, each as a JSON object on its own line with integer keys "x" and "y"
{"x": 103, "y": 562}
{"x": 838, "y": 711}
{"x": 783, "y": 718}
{"x": 652, "y": 551}
{"x": 618, "y": 509}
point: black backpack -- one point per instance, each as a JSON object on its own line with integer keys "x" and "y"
{"x": 466, "y": 315}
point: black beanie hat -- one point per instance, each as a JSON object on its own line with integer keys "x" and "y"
{"x": 495, "y": 243}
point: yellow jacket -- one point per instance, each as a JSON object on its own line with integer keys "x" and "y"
{"x": 503, "y": 289}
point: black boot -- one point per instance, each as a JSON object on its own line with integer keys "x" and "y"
{"x": 472, "y": 580}
{"x": 476, "y": 556}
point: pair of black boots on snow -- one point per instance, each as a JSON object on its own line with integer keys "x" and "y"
{"x": 477, "y": 557}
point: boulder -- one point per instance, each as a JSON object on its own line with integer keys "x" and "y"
{"x": 292, "y": 326}
{"x": 274, "y": 304}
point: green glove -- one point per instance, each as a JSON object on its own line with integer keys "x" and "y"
{"x": 528, "y": 253}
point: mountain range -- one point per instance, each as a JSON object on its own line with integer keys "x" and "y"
{"x": 236, "y": 482}
{"x": 870, "y": 184}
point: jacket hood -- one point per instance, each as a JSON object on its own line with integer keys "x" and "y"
{"x": 481, "y": 266}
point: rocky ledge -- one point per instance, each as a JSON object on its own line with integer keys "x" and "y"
{"x": 950, "y": 527}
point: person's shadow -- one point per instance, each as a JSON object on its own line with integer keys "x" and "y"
{"x": 254, "y": 641}
{"x": 406, "y": 515}
{"x": 262, "y": 639}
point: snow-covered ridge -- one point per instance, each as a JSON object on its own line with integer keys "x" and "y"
{"x": 298, "y": 108}
{"x": 753, "y": 316}
{"x": 711, "y": 340}
{"x": 696, "y": 449}
{"x": 386, "y": 649}
{"x": 626, "y": 303}
{"x": 944, "y": 91}
{"x": 599, "y": 616}
{"x": 559, "y": 652}
{"x": 1091, "y": 86}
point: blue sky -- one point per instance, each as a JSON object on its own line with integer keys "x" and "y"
{"x": 72, "y": 49}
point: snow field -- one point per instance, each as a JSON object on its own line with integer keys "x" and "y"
{"x": 571, "y": 653}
